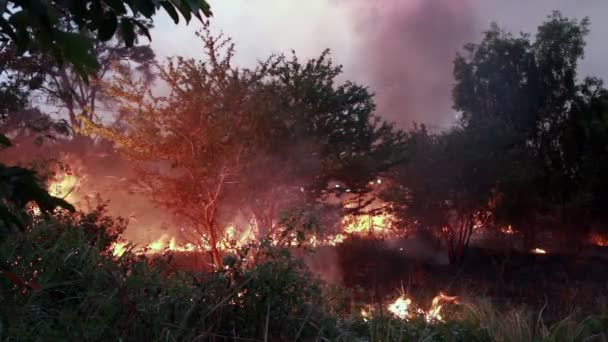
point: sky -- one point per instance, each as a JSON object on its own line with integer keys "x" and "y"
{"x": 402, "y": 49}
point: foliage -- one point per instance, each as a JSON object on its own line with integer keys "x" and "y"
{"x": 530, "y": 89}
{"x": 70, "y": 94}
{"x": 89, "y": 291}
{"x": 73, "y": 288}
{"x": 20, "y": 188}
{"x": 446, "y": 185}
{"x": 20, "y": 75}
{"x": 36, "y": 25}
{"x": 202, "y": 147}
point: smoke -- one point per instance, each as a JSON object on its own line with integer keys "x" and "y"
{"x": 406, "y": 50}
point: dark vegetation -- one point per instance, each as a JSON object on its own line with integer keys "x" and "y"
{"x": 528, "y": 152}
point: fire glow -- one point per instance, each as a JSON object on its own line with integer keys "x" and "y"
{"x": 68, "y": 185}
{"x": 401, "y": 308}
{"x": 538, "y": 251}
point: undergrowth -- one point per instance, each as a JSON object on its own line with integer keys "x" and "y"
{"x": 60, "y": 282}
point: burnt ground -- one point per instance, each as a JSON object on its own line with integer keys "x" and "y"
{"x": 559, "y": 282}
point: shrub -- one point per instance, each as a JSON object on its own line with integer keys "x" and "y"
{"x": 81, "y": 292}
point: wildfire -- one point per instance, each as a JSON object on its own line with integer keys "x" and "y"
{"x": 538, "y": 251}
{"x": 66, "y": 183}
{"x": 599, "y": 240}
{"x": 365, "y": 314}
{"x": 401, "y": 308}
{"x": 379, "y": 224}
{"x": 119, "y": 248}
{"x": 69, "y": 186}
{"x": 507, "y": 230}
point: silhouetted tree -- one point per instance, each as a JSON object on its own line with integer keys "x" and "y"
{"x": 530, "y": 89}
{"x": 446, "y": 184}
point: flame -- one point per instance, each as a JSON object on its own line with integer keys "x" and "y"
{"x": 167, "y": 243}
{"x": 380, "y": 224}
{"x": 118, "y": 249}
{"x": 365, "y": 315}
{"x": 507, "y": 230}
{"x": 434, "y": 313}
{"x": 235, "y": 237}
{"x": 401, "y": 308}
{"x": 538, "y": 251}
{"x": 63, "y": 186}
{"x": 599, "y": 240}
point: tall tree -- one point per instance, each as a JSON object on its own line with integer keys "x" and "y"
{"x": 530, "y": 88}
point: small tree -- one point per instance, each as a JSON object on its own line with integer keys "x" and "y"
{"x": 193, "y": 143}
{"x": 446, "y": 184}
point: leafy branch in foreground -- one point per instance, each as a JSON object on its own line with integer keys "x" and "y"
{"x": 38, "y": 24}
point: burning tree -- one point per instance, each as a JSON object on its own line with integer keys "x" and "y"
{"x": 193, "y": 143}
{"x": 259, "y": 141}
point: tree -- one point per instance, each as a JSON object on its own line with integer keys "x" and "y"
{"x": 36, "y": 25}
{"x": 317, "y": 131}
{"x": 530, "y": 89}
{"x": 72, "y": 95}
{"x": 228, "y": 139}
{"x": 198, "y": 136}
{"x": 446, "y": 184}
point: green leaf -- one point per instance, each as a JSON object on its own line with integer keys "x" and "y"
{"x": 76, "y": 48}
{"x": 107, "y": 27}
{"x": 5, "y": 141}
{"x": 127, "y": 31}
{"x": 143, "y": 29}
{"x": 118, "y": 6}
{"x": 183, "y": 8}
{"x": 196, "y": 6}
{"x": 146, "y": 7}
{"x": 170, "y": 9}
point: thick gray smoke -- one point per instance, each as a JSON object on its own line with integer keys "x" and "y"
{"x": 406, "y": 52}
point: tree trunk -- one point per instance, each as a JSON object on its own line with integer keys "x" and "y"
{"x": 213, "y": 241}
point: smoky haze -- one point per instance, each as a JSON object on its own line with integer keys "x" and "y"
{"x": 406, "y": 49}
{"x": 402, "y": 49}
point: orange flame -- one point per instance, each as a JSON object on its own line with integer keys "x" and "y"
{"x": 538, "y": 251}
{"x": 401, "y": 308}
{"x": 599, "y": 240}
{"x": 507, "y": 230}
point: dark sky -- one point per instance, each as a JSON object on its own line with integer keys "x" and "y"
{"x": 402, "y": 49}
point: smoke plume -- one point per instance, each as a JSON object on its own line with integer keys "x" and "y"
{"x": 406, "y": 52}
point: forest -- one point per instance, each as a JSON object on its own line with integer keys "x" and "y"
{"x": 196, "y": 199}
